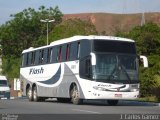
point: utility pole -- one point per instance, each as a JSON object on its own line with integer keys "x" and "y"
{"x": 47, "y": 21}
{"x": 143, "y": 19}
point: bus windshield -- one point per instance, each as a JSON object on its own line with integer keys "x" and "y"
{"x": 114, "y": 46}
{"x": 3, "y": 83}
{"x": 115, "y": 67}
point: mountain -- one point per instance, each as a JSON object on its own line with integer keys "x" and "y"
{"x": 108, "y": 24}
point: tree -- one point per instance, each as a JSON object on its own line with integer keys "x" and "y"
{"x": 22, "y": 32}
{"x": 25, "y": 29}
{"x": 147, "y": 40}
{"x": 72, "y": 27}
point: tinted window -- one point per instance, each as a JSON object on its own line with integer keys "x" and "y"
{"x": 37, "y": 57}
{"x": 45, "y": 56}
{"x": 85, "y": 68}
{"x": 73, "y": 51}
{"x": 49, "y": 54}
{"x": 41, "y": 56}
{"x": 59, "y": 53}
{"x": 32, "y": 58}
{"x": 24, "y": 58}
{"x": 114, "y": 46}
{"x": 54, "y": 54}
{"x": 64, "y": 48}
{"x": 3, "y": 83}
{"x": 85, "y": 48}
{"x": 68, "y": 52}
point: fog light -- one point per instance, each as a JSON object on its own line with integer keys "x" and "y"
{"x": 134, "y": 90}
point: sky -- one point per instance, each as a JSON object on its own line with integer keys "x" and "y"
{"x": 8, "y": 7}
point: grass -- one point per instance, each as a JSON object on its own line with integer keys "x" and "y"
{"x": 148, "y": 99}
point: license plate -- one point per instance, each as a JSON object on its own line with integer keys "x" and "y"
{"x": 118, "y": 95}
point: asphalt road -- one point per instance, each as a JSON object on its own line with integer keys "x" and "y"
{"x": 23, "y": 106}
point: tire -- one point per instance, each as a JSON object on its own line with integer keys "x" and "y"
{"x": 75, "y": 96}
{"x": 112, "y": 102}
{"x": 29, "y": 94}
{"x": 35, "y": 96}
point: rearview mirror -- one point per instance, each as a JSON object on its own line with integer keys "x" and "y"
{"x": 144, "y": 60}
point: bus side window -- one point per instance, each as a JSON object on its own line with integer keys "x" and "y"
{"x": 29, "y": 58}
{"x": 73, "y": 51}
{"x": 78, "y": 50}
{"x": 41, "y": 56}
{"x": 23, "y": 62}
{"x": 85, "y": 67}
{"x": 60, "y": 54}
{"x": 45, "y": 55}
{"x": 36, "y": 57}
{"x": 85, "y": 48}
{"x": 67, "y": 52}
{"x": 33, "y": 58}
{"x": 55, "y": 54}
{"x": 63, "y": 57}
{"x": 49, "y": 53}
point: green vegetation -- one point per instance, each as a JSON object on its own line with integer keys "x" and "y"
{"x": 25, "y": 30}
{"x": 147, "y": 39}
{"x": 69, "y": 28}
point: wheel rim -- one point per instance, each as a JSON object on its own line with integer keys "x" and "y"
{"x": 29, "y": 94}
{"x": 35, "y": 94}
{"x": 75, "y": 94}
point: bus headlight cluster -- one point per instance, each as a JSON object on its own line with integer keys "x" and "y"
{"x": 134, "y": 88}
{"x": 99, "y": 88}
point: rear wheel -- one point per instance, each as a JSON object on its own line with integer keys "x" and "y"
{"x": 112, "y": 102}
{"x": 35, "y": 95}
{"x": 29, "y": 94}
{"x": 75, "y": 96}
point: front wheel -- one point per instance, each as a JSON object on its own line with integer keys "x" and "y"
{"x": 75, "y": 96}
{"x": 112, "y": 102}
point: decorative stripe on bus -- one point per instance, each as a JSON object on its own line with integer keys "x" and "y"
{"x": 53, "y": 79}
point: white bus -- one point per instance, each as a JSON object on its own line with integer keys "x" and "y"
{"x": 82, "y": 67}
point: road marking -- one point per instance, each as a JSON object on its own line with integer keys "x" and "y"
{"x": 86, "y": 111}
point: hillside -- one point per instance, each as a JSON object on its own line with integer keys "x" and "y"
{"x": 110, "y": 23}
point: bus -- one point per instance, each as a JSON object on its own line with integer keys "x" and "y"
{"x": 82, "y": 68}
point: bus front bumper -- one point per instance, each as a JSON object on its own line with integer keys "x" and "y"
{"x": 112, "y": 95}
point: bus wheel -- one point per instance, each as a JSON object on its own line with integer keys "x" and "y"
{"x": 29, "y": 94}
{"x": 112, "y": 102}
{"x": 35, "y": 96}
{"x": 75, "y": 98}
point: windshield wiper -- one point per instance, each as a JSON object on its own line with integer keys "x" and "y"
{"x": 111, "y": 75}
{"x": 124, "y": 70}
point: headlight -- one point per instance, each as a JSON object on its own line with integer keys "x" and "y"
{"x": 134, "y": 90}
{"x": 99, "y": 88}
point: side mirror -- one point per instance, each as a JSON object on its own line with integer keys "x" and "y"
{"x": 144, "y": 60}
{"x": 93, "y": 58}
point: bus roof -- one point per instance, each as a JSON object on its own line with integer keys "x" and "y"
{"x": 3, "y": 77}
{"x": 76, "y": 38}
